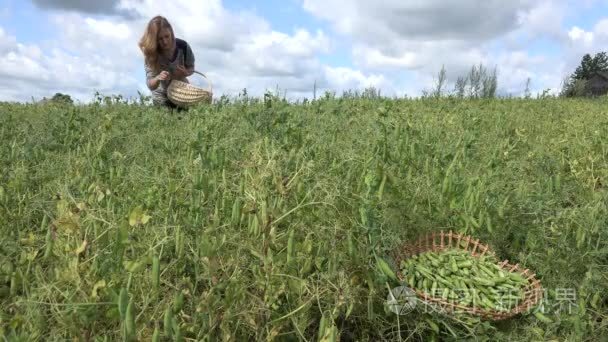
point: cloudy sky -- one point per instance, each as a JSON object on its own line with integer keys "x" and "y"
{"x": 81, "y": 47}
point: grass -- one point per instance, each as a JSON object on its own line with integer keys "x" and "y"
{"x": 266, "y": 216}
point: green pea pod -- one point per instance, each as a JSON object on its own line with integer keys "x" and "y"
{"x": 178, "y": 303}
{"x": 433, "y": 326}
{"x": 445, "y": 294}
{"x": 13, "y": 288}
{"x": 290, "y": 242}
{"x": 49, "y": 242}
{"x": 156, "y": 335}
{"x": 322, "y": 326}
{"x": 130, "y": 320}
{"x": 484, "y": 281}
{"x": 464, "y": 264}
{"x": 178, "y": 334}
{"x": 236, "y": 212}
{"x": 517, "y": 278}
{"x": 386, "y": 269}
{"x": 453, "y": 265}
{"x": 123, "y": 301}
{"x": 155, "y": 272}
{"x": 167, "y": 323}
{"x": 542, "y": 317}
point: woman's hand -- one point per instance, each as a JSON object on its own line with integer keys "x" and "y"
{"x": 163, "y": 76}
{"x": 181, "y": 72}
{"x": 153, "y": 83}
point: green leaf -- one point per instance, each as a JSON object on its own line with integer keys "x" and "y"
{"x": 138, "y": 217}
{"x": 135, "y": 216}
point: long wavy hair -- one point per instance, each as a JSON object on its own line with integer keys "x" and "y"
{"x": 149, "y": 41}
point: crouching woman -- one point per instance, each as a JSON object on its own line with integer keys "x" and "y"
{"x": 166, "y": 58}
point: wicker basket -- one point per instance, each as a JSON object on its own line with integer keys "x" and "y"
{"x": 440, "y": 241}
{"x": 184, "y": 94}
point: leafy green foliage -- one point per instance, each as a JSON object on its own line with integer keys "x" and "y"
{"x": 264, "y": 220}
{"x": 575, "y": 85}
{"x": 590, "y": 65}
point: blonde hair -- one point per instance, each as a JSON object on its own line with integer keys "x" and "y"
{"x": 149, "y": 41}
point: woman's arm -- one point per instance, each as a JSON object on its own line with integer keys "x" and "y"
{"x": 154, "y": 82}
{"x": 181, "y": 71}
{"x": 153, "y": 78}
{"x": 189, "y": 71}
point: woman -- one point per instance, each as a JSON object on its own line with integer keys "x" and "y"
{"x": 166, "y": 58}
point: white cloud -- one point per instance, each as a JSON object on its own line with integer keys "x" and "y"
{"x": 6, "y": 42}
{"x": 544, "y": 19}
{"x": 108, "y": 29}
{"x": 374, "y": 58}
{"x": 235, "y": 49}
{"x": 301, "y": 45}
{"x": 577, "y": 34}
{"x": 28, "y": 71}
{"x": 601, "y": 29}
{"x": 379, "y": 22}
{"x": 420, "y": 37}
{"x": 397, "y": 46}
{"x": 417, "y": 38}
{"x": 202, "y": 23}
{"x": 104, "y": 7}
{"x": 581, "y": 42}
{"x": 347, "y": 78}
{"x": 18, "y": 61}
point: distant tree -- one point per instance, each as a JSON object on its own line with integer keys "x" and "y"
{"x": 460, "y": 86}
{"x": 527, "y": 93}
{"x": 591, "y": 65}
{"x": 59, "y": 98}
{"x": 489, "y": 84}
{"x": 475, "y": 81}
{"x": 371, "y": 92}
{"x": 575, "y": 84}
{"x": 440, "y": 83}
{"x": 478, "y": 83}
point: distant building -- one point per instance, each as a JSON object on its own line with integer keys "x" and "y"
{"x": 597, "y": 84}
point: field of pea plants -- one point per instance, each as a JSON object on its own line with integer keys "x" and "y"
{"x": 265, "y": 220}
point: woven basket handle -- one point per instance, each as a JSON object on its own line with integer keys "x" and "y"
{"x": 208, "y": 80}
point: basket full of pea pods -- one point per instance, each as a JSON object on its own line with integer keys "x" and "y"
{"x": 457, "y": 274}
